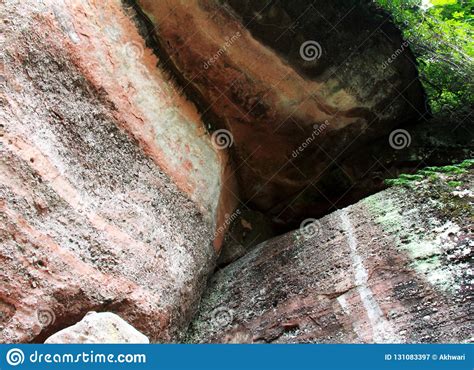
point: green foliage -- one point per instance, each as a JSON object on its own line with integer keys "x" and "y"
{"x": 432, "y": 174}
{"x": 403, "y": 180}
{"x": 440, "y": 34}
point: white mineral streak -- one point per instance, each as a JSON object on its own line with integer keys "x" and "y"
{"x": 382, "y": 331}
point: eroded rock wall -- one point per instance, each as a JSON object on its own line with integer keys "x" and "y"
{"x": 296, "y": 114}
{"x": 113, "y": 197}
{"x": 395, "y": 267}
{"x": 110, "y": 186}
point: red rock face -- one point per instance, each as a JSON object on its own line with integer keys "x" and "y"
{"x": 110, "y": 188}
{"x": 391, "y": 268}
{"x": 293, "y": 117}
{"x": 114, "y": 197}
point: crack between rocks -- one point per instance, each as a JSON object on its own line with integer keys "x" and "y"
{"x": 148, "y": 31}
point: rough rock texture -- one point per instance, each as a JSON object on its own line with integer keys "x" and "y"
{"x": 103, "y": 327}
{"x": 109, "y": 185}
{"x": 241, "y": 60}
{"x": 249, "y": 229}
{"x": 432, "y": 143}
{"x": 114, "y": 197}
{"x": 395, "y": 267}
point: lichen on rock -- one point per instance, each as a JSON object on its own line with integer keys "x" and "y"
{"x": 390, "y": 261}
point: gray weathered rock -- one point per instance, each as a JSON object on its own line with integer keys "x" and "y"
{"x": 115, "y": 197}
{"x": 102, "y": 327}
{"x": 395, "y": 267}
{"x": 97, "y": 209}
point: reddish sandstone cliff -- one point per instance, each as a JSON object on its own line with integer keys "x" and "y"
{"x": 111, "y": 190}
{"x": 117, "y": 183}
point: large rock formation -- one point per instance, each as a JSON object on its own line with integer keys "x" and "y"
{"x": 302, "y": 88}
{"x": 102, "y": 327}
{"x": 118, "y": 183}
{"x": 395, "y": 267}
{"x": 111, "y": 191}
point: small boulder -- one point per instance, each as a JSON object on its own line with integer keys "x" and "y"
{"x": 102, "y": 327}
